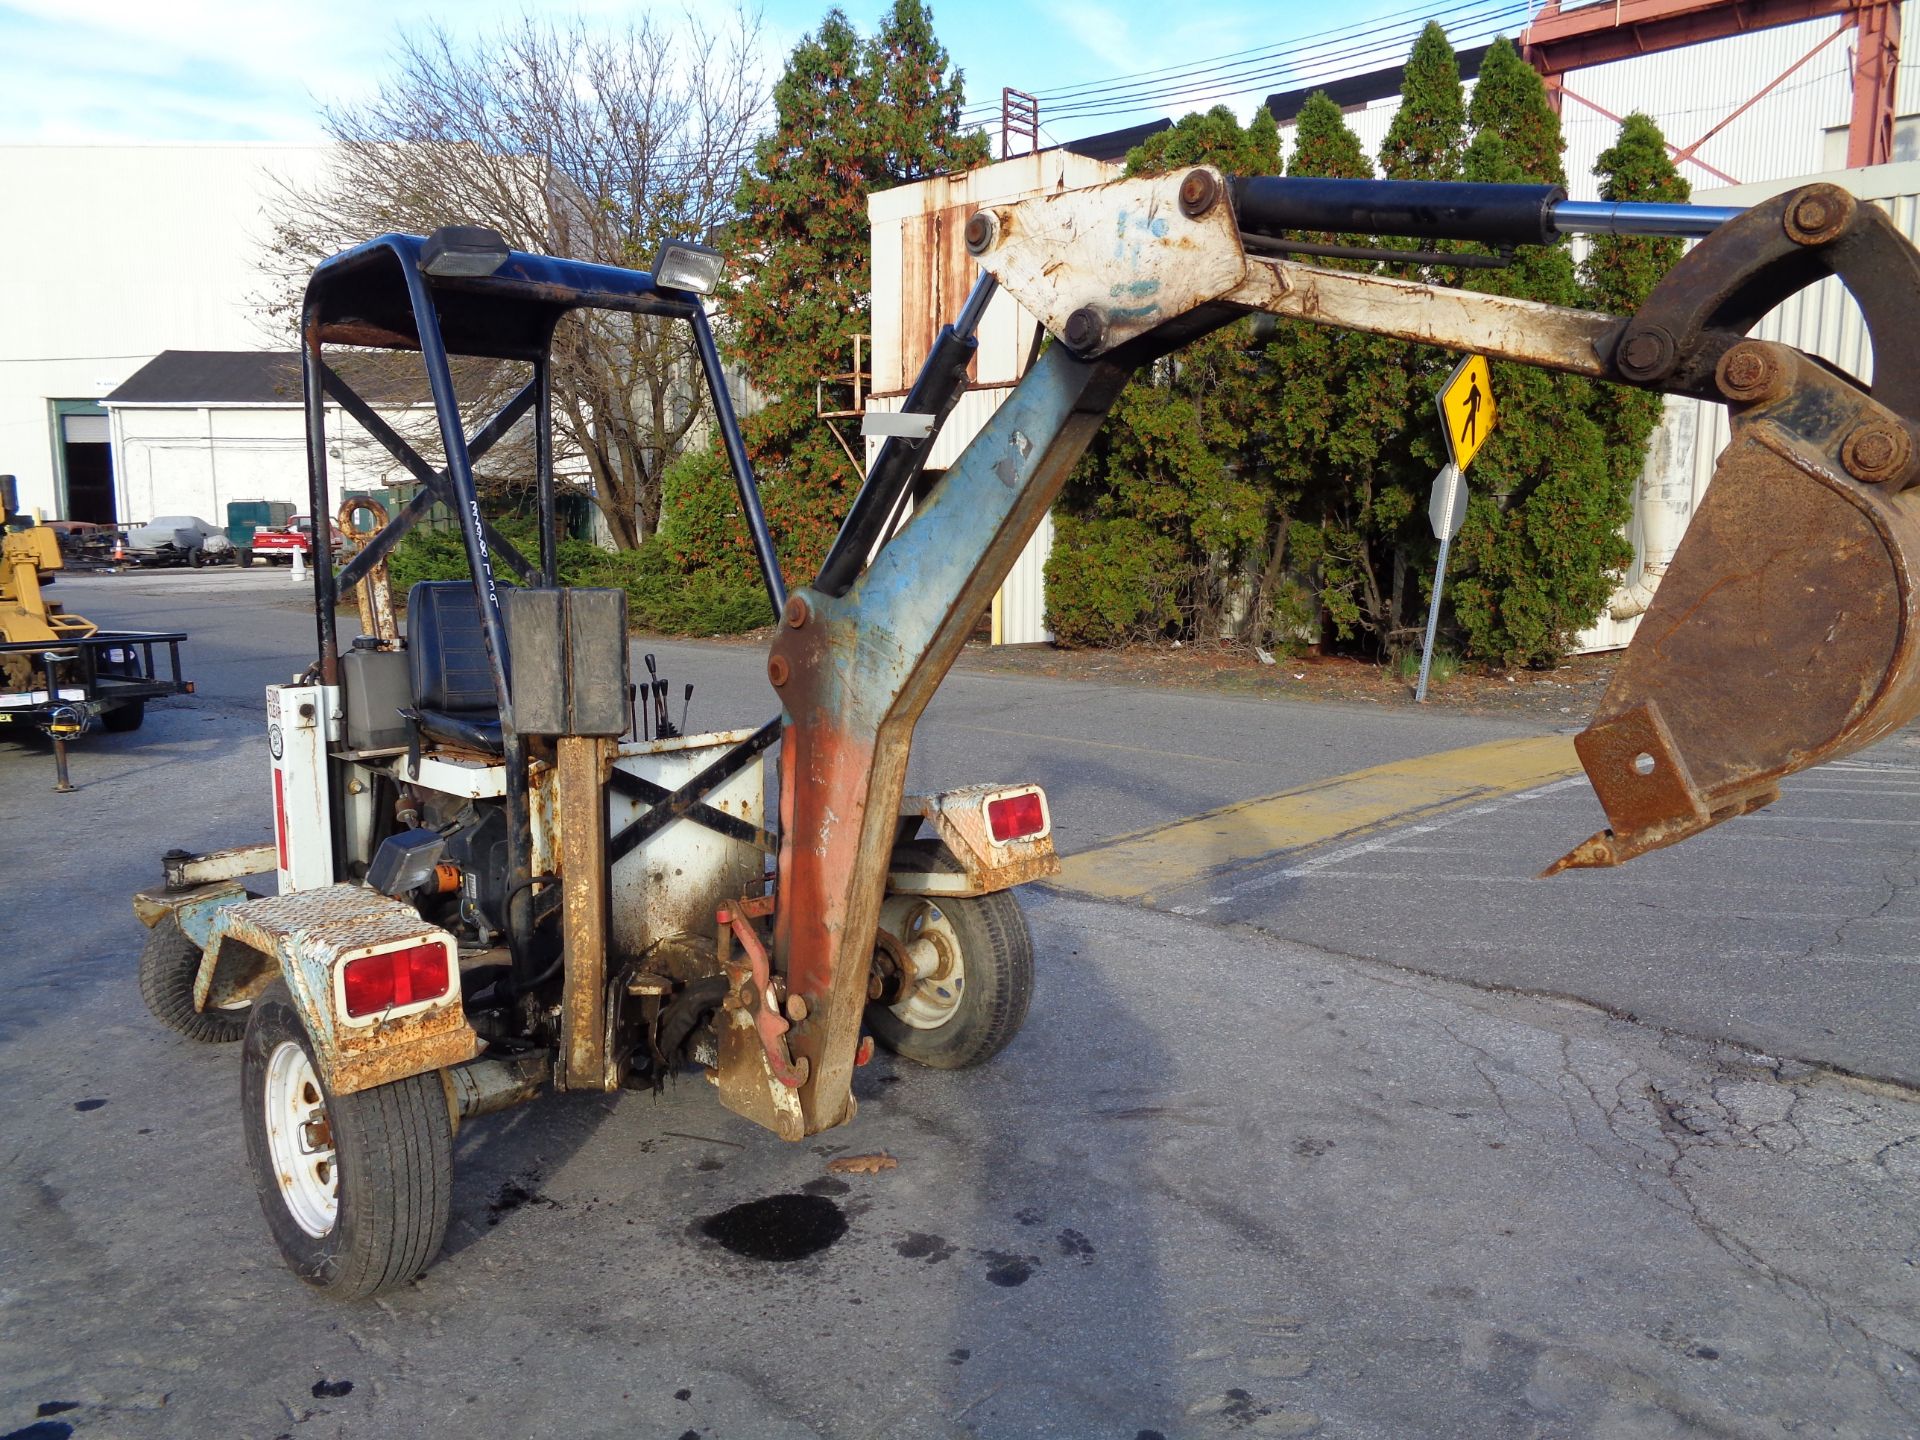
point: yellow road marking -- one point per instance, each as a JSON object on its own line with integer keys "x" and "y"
{"x": 1167, "y": 857}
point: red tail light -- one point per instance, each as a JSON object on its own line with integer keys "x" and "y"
{"x": 1014, "y": 817}
{"x": 374, "y": 983}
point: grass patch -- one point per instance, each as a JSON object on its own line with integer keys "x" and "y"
{"x": 1406, "y": 668}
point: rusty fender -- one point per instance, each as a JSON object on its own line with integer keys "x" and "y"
{"x": 306, "y": 936}
{"x": 958, "y": 818}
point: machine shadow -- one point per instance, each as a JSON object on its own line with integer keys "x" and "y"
{"x": 501, "y": 1162}
{"x": 1017, "y": 1243}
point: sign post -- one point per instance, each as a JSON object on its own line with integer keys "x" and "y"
{"x": 1466, "y": 410}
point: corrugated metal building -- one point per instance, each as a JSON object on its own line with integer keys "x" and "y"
{"x": 1798, "y": 129}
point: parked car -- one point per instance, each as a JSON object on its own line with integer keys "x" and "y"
{"x": 279, "y": 542}
{"x": 175, "y": 540}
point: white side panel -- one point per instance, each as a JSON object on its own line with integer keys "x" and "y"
{"x": 1023, "y": 599}
{"x": 883, "y": 321}
{"x": 672, "y": 884}
{"x": 297, "y": 723}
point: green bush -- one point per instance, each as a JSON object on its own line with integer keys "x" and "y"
{"x": 424, "y": 554}
{"x": 440, "y": 553}
{"x": 663, "y": 594}
{"x": 1111, "y": 580}
{"x": 663, "y": 597}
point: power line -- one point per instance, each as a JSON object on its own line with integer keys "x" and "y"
{"x": 1330, "y": 68}
{"x": 1263, "y": 66}
{"x": 1258, "y": 53}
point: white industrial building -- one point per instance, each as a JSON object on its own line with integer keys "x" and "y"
{"x": 110, "y": 255}
{"x": 193, "y": 430}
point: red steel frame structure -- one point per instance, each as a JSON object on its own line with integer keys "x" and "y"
{"x": 1561, "y": 40}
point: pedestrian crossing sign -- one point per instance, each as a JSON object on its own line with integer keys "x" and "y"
{"x": 1466, "y": 409}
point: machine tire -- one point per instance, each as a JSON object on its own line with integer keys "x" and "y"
{"x": 245, "y": 554}
{"x": 198, "y": 558}
{"x": 391, "y": 1162}
{"x": 168, "y": 966}
{"x": 123, "y": 718}
{"x": 997, "y": 962}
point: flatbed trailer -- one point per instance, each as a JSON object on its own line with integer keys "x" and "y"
{"x": 72, "y": 686}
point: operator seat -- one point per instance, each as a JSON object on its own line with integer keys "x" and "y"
{"x": 453, "y": 696}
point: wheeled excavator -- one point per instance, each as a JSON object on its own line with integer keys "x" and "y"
{"x": 486, "y": 886}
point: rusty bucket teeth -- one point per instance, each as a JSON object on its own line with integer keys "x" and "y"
{"x": 1596, "y": 852}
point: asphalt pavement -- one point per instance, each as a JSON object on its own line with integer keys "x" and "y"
{"x": 1352, "y": 1130}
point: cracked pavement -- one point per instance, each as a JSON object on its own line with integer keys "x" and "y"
{"x": 1226, "y": 1183}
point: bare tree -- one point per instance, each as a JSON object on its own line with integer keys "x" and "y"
{"x": 572, "y": 142}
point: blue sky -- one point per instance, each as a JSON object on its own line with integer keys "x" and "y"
{"x": 256, "y": 70}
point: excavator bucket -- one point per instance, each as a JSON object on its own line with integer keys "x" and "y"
{"x": 1782, "y": 636}
{"x": 1784, "y": 633}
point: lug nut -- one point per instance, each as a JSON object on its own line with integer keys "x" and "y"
{"x": 983, "y": 232}
{"x": 797, "y": 613}
{"x": 1876, "y": 451}
{"x": 777, "y": 670}
{"x": 1199, "y": 192}
{"x": 1819, "y": 215}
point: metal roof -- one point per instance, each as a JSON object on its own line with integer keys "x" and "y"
{"x": 198, "y": 377}
{"x": 1352, "y": 90}
{"x": 272, "y": 377}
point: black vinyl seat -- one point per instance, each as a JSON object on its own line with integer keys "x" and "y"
{"x": 453, "y": 695}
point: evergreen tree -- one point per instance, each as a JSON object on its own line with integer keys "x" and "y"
{"x": 1542, "y": 535}
{"x": 1159, "y": 515}
{"x": 1333, "y": 435}
{"x": 1621, "y": 271}
{"x": 851, "y": 116}
{"x": 1428, "y": 133}
{"x": 1216, "y": 138}
{"x": 1516, "y": 135}
{"x": 1387, "y": 540}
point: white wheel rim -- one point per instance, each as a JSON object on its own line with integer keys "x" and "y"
{"x": 932, "y": 946}
{"x": 300, "y": 1140}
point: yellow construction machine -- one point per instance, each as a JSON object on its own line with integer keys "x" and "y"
{"x": 60, "y": 674}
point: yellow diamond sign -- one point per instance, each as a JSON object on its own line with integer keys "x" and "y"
{"x": 1466, "y": 408}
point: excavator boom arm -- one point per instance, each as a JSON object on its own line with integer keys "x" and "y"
{"x": 1781, "y": 635}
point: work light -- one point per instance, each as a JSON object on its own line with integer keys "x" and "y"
{"x": 463, "y": 252}
{"x": 683, "y": 265}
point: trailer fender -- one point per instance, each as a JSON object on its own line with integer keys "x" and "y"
{"x": 1000, "y": 835}
{"x": 309, "y": 938}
